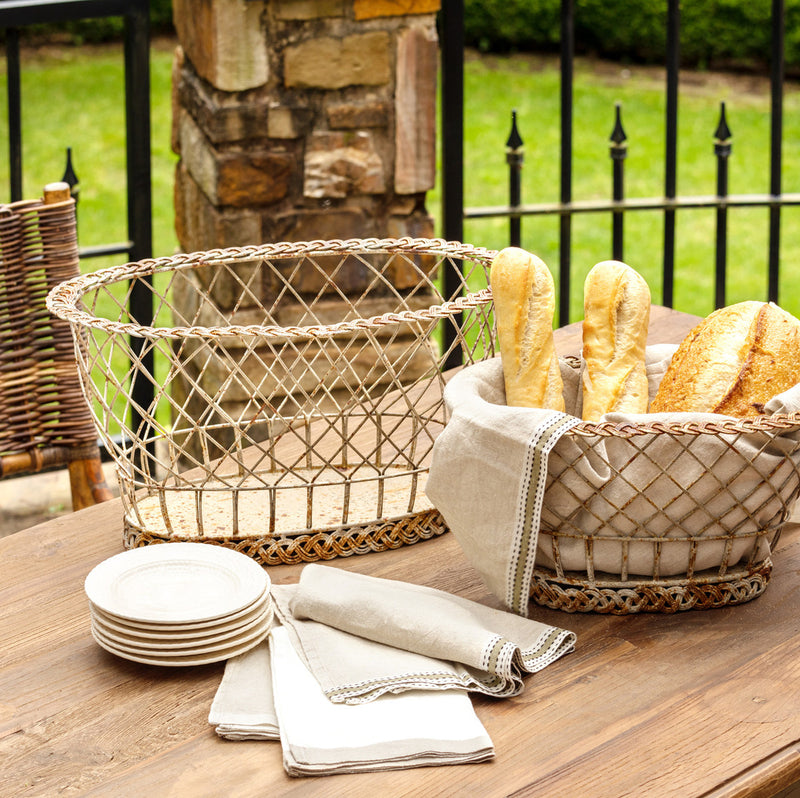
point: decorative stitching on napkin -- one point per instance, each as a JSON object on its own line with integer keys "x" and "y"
{"x": 364, "y": 691}
{"x": 529, "y": 508}
{"x": 553, "y": 644}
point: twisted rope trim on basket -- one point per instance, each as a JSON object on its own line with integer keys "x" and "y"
{"x": 314, "y": 546}
{"x": 649, "y": 596}
{"x": 63, "y": 299}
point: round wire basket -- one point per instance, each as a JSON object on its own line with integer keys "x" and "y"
{"x": 292, "y": 391}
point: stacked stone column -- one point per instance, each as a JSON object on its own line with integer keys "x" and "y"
{"x": 300, "y": 120}
{"x": 303, "y": 119}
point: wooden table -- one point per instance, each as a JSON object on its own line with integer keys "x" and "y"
{"x": 696, "y": 704}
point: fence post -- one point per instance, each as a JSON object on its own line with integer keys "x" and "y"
{"x": 671, "y": 159}
{"x": 565, "y": 226}
{"x": 776, "y": 138}
{"x": 14, "y": 92}
{"x": 514, "y": 158}
{"x": 452, "y": 58}
{"x": 618, "y": 152}
{"x": 722, "y": 149}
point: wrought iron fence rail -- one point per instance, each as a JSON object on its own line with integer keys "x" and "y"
{"x": 618, "y": 205}
{"x": 632, "y": 204}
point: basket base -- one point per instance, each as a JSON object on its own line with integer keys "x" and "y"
{"x": 313, "y": 545}
{"x": 648, "y": 596}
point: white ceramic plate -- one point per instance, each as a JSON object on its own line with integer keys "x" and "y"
{"x": 201, "y": 649}
{"x": 178, "y": 630}
{"x": 188, "y": 659}
{"x": 182, "y": 645}
{"x": 176, "y": 583}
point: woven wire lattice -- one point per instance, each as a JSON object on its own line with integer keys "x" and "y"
{"x": 686, "y": 516}
{"x": 297, "y": 389}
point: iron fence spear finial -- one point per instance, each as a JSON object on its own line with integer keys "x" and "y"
{"x": 514, "y": 158}
{"x": 619, "y": 151}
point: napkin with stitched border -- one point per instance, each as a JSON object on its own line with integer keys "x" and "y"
{"x": 415, "y": 729}
{"x": 363, "y": 637}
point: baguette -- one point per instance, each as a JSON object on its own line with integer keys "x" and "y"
{"x": 733, "y": 362}
{"x": 524, "y": 305}
{"x": 616, "y": 318}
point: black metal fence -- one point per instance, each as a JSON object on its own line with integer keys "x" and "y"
{"x": 618, "y": 204}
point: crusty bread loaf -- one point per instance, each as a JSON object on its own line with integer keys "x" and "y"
{"x": 524, "y": 304}
{"x": 733, "y": 362}
{"x": 616, "y": 317}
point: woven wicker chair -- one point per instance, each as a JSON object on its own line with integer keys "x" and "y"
{"x": 44, "y": 419}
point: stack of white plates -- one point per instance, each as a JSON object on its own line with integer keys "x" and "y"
{"x": 179, "y": 604}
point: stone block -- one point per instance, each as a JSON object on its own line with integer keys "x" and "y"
{"x": 307, "y": 10}
{"x": 404, "y": 275}
{"x": 201, "y": 226}
{"x": 323, "y": 224}
{"x": 415, "y": 110}
{"x": 338, "y": 164}
{"x": 288, "y": 122}
{"x": 225, "y": 41}
{"x": 254, "y": 178}
{"x": 362, "y": 59}
{"x": 369, "y": 9}
{"x": 351, "y": 116}
{"x": 178, "y": 61}
{"x": 240, "y": 178}
{"x": 223, "y": 117}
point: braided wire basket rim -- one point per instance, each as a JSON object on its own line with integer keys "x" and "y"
{"x": 63, "y": 299}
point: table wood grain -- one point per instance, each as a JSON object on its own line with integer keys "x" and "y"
{"x": 703, "y": 703}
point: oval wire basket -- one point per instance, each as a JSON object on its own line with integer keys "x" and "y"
{"x": 663, "y": 516}
{"x": 297, "y": 389}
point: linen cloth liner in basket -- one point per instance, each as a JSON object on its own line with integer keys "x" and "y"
{"x": 503, "y": 476}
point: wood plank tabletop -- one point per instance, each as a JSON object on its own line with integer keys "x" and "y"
{"x": 702, "y": 703}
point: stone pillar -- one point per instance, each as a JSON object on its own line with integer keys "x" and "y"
{"x": 300, "y": 120}
{"x": 303, "y": 119}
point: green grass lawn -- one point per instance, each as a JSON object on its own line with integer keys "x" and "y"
{"x": 496, "y": 85}
{"x": 93, "y": 125}
{"x": 74, "y": 97}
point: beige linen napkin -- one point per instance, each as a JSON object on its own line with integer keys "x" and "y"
{"x": 414, "y": 729}
{"x": 492, "y": 463}
{"x": 488, "y": 476}
{"x": 363, "y": 637}
{"x": 243, "y": 706}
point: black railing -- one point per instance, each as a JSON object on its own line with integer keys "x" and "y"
{"x": 18, "y": 14}
{"x": 618, "y": 204}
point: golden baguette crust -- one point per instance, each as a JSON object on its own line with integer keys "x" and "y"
{"x": 733, "y": 362}
{"x": 524, "y": 305}
{"x": 616, "y": 318}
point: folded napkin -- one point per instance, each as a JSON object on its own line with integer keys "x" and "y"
{"x": 496, "y": 520}
{"x": 363, "y": 637}
{"x": 243, "y": 707}
{"x": 397, "y": 731}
